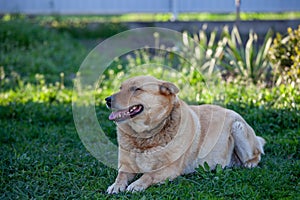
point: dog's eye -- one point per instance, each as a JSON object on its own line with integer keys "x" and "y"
{"x": 135, "y": 89}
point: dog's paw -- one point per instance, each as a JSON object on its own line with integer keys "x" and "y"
{"x": 136, "y": 187}
{"x": 252, "y": 162}
{"x": 116, "y": 188}
{"x": 250, "y": 165}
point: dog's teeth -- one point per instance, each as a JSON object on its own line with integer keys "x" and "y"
{"x": 132, "y": 109}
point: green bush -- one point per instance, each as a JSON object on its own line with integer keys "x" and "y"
{"x": 285, "y": 55}
{"x": 207, "y": 55}
{"x": 192, "y": 67}
{"x": 246, "y": 63}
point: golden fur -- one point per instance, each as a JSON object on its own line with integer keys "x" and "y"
{"x": 168, "y": 138}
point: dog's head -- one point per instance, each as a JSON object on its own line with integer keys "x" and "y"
{"x": 143, "y": 102}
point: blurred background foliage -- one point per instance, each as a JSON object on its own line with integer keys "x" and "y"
{"x": 285, "y": 57}
{"x": 44, "y": 58}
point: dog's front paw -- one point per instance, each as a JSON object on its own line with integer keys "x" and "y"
{"x": 116, "y": 188}
{"x": 136, "y": 187}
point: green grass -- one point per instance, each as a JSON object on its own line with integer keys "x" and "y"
{"x": 165, "y": 17}
{"x": 28, "y": 49}
{"x": 42, "y": 156}
{"x": 103, "y": 26}
{"x": 243, "y": 16}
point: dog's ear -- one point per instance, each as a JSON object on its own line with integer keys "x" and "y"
{"x": 167, "y": 88}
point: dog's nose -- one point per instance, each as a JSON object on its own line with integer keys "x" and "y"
{"x": 108, "y": 101}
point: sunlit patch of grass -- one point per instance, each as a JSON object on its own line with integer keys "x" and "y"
{"x": 162, "y": 17}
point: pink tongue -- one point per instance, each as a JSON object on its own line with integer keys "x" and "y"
{"x": 115, "y": 115}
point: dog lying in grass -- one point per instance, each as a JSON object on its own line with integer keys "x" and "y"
{"x": 162, "y": 137}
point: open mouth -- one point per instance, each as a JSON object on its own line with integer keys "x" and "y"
{"x": 121, "y": 115}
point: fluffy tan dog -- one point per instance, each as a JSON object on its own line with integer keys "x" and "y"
{"x": 161, "y": 137}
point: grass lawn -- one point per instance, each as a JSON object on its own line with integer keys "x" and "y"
{"x": 167, "y": 16}
{"x": 42, "y": 156}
